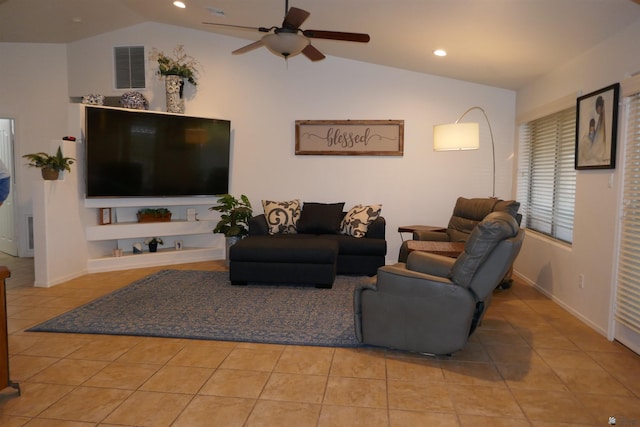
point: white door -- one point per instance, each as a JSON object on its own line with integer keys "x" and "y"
{"x": 7, "y": 227}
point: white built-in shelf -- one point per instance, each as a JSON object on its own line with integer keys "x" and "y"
{"x": 147, "y": 259}
{"x": 128, "y": 230}
{"x": 150, "y": 202}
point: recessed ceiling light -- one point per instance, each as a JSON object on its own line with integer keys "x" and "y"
{"x": 440, "y": 52}
{"x": 179, "y": 4}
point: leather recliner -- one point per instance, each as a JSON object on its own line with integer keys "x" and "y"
{"x": 467, "y": 213}
{"x": 432, "y": 304}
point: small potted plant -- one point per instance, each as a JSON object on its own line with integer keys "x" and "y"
{"x": 234, "y": 221}
{"x": 153, "y": 243}
{"x": 51, "y": 166}
{"x": 154, "y": 215}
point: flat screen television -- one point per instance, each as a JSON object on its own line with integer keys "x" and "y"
{"x": 134, "y": 153}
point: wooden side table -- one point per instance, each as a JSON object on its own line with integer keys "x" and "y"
{"x": 450, "y": 249}
{"x": 412, "y": 228}
{"x": 4, "y": 339}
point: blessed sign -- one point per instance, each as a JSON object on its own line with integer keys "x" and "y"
{"x": 350, "y": 137}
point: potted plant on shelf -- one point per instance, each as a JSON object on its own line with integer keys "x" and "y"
{"x": 234, "y": 221}
{"x": 153, "y": 215}
{"x": 153, "y": 243}
{"x": 50, "y": 166}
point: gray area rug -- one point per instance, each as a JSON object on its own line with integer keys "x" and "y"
{"x": 204, "y": 305}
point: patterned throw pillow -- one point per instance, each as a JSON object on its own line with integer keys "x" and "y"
{"x": 282, "y": 217}
{"x": 356, "y": 222}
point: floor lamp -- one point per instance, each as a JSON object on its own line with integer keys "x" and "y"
{"x": 463, "y": 136}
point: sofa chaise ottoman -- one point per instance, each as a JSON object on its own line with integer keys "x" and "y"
{"x": 294, "y": 244}
{"x": 299, "y": 261}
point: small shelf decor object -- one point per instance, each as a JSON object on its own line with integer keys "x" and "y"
{"x": 154, "y": 215}
{"x": 104, "y": 216}
{"x": 350, "y": 137}
{"x": 175, "y": 70}
{"x": 50, "y": 165}
{"x": 134, "y": 100}
{"x": 596, "y": 129}
{"x": 153, "y": 243}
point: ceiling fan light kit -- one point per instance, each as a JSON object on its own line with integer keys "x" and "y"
{"x": 285, "y": 43}
{"x": 290, "y": 40}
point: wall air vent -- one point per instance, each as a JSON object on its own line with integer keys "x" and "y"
{"x": 129, "y": 67}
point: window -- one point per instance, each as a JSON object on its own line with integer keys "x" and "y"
{"x": 547, "y": 178}
{"x": 129, "y": 67}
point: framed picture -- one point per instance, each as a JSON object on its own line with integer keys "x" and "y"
{"x": 596, "y": 129}
{"x": 104, "y": 216}
{"x": 350, "y": 137}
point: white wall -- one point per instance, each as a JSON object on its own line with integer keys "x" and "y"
{"x": 263, "y": 95}
{"x": 34, "y": 92}
{"x": 59, "y": 217}
{"x": 555, "y": 268}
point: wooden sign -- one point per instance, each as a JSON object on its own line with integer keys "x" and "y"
{"x": 350, "y": 137}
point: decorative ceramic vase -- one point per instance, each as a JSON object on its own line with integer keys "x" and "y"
{"x": 174, "y": 86}
{"x": 153, "y": 247}
{"x": 134, "y": 100}
{"x": 50, "y": 174}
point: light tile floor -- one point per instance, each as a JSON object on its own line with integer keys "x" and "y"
{"x": 529, "y": 364}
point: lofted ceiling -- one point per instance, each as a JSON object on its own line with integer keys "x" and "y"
{"x": 502, "y": 43}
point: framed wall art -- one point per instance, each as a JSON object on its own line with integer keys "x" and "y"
{"x": 350, "y": 137}
{"x": 104, "y": 216}
{"x": 596, "y": 129}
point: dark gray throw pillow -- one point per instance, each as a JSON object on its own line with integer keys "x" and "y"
{"x": 320, "y": 218}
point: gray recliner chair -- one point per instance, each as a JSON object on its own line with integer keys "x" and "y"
{"x": 467, "y": 214}
{"x": 432, "y": 304}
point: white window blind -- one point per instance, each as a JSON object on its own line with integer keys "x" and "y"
{"x": 628, "y": 287}
{"x": 546, "y": 174}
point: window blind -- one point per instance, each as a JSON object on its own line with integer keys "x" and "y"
{"x": 546, "y": 174}
{"x": 628, "y": 288}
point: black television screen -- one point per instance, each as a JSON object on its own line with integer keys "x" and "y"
{"x": 133, "y": 153}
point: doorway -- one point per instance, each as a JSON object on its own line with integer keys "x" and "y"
{"x": 8, "y": 243}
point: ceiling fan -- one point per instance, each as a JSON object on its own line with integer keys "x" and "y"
{"x": 290, "y": 40}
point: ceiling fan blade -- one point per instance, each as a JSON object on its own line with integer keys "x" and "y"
{"x": 242, "y": 27}
{"x": 312, "y": 53}
{"x": 337, "y": 35}
{"x": 295, "y": 17}
{"x": 248, "y": 47}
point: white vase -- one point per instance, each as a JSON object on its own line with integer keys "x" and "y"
{"x": 173, "y": 86}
